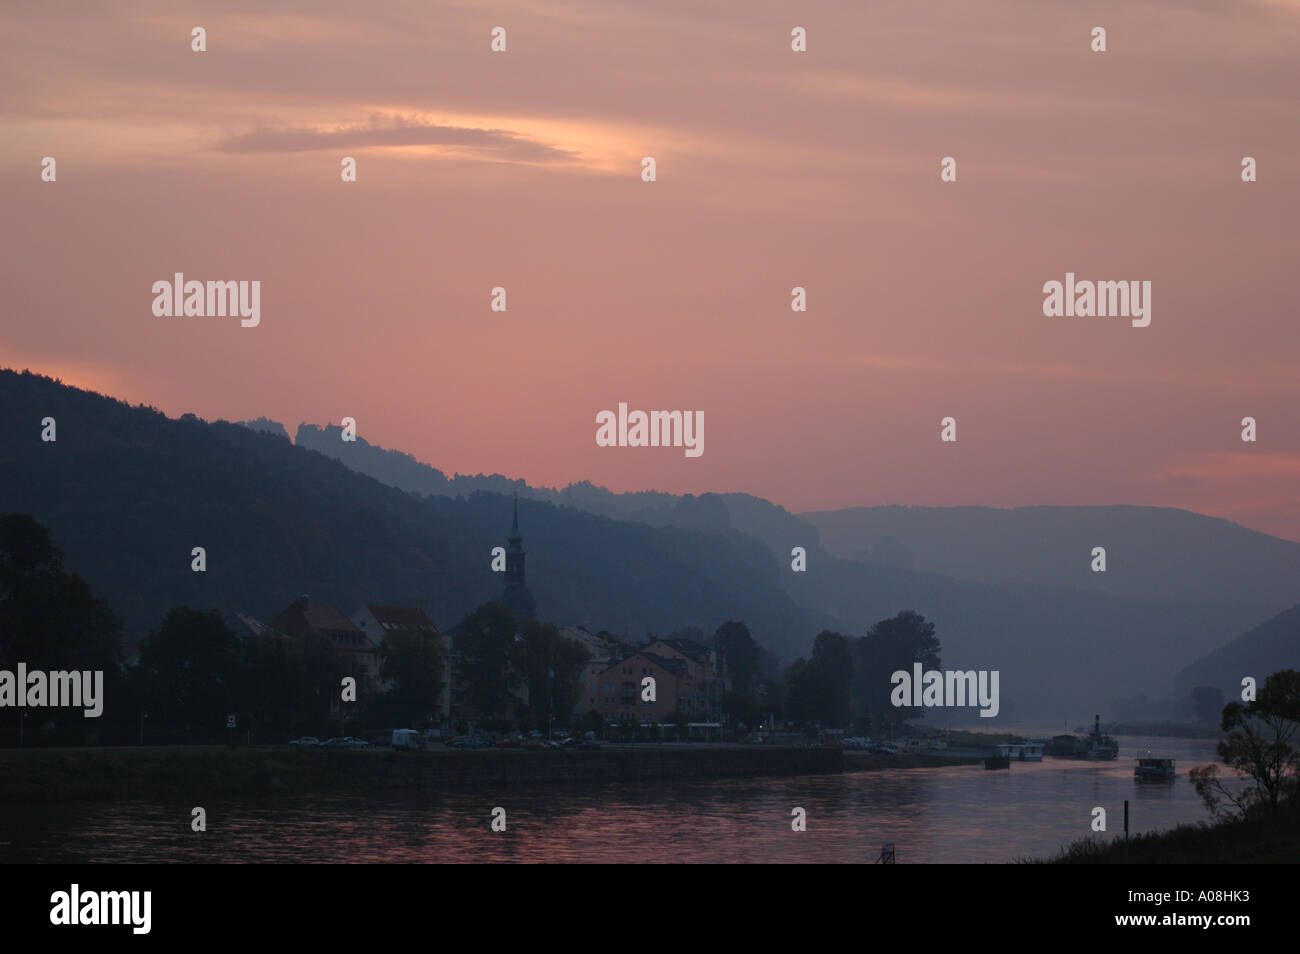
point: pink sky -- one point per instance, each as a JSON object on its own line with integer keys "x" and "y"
{"x": 775, "y": 169}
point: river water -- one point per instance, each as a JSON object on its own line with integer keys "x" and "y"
{"x": 951, "y": 814}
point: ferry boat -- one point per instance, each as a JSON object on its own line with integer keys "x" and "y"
{"x": 1098, "y": 746}
{"x": 1094, "y": 746}
{"x": 1154, "y": 770}
{"x": 1022, "y": 751}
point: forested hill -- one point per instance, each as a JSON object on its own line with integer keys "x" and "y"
{"x": 1010, "y": 589}
{"x": 1268, "y": 647}
{"x": 128, "y": 493}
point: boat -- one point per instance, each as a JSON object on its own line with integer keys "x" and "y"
{"x": 1022, "y": 751}
{"x": 1099, "y": 751}
{"x": 1062, "y": 746}
{"x": 1154, "y": 770}
{"x": 997, "y": 762}
{"x": 1100, "y": 747}
{"x": 1095, "y": 746}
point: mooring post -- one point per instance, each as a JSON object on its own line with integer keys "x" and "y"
{"x": 1126, "y": 829}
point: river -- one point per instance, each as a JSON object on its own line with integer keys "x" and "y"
{"x": 949, "y": 814}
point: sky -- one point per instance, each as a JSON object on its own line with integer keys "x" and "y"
{"x": 774, "y": 169}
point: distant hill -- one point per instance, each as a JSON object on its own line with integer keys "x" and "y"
{"x": 1270, "y": 646}
{"x": 1006, "y": 588}
{"x": 1151, "y": 552}
{"x": 127, "y": 492}
{"x": 401, "y": 470}
{"x": 267, "y": 426}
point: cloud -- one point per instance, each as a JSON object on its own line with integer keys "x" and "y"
{"x": 1227, "y": 468}
{"x": 397, "y": 131}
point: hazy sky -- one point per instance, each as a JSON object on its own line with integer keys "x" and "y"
{"x": 775, "y": 169}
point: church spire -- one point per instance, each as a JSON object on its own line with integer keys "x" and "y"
{"x": 515, "y": 595}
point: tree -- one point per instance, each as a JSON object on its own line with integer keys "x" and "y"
{"x": 191, "y": 667}
{"x": 269, "y": 675}
{"x": 1260, "y": 744}
{"x": 49, "y": 618}
{"x": 798, "y": 693}
{"x": 891, "y": 645}
{"x": 26, "y": 552}
{"x": 486, "y": 645}
{"x": 817, "y": 690}
{"x": 551, "y": 666}
{"x": 830, "y": 672}
{"x": 737, "y": 657}
{"x": 318, "y": 672}
{"x": 772, "y": 700}
{"x": 738, "y": 666}
{"x": 413, "y": 668}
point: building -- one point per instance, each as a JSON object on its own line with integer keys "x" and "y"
{"x": 379, "y": 621}
{"x": 597, "y": 645}
{"x": 516, "y": 596}
{"x": 615, "y": 690}
{"x": 699, "y": 690}
{"x": 305, "y": 618}
{"x": 247, "y": 628}
{"x": 602, "y": 652}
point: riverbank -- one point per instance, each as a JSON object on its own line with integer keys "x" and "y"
{"x": 1265, "y": 840}
{"x": 875, "y": 762}
{"x": 1166, "y": 730}
{"x": 30, "y": 775}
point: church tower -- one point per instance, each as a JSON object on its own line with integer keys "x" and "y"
{"x": 516, "y": 596}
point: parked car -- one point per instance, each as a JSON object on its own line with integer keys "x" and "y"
{"x": 886, "y": 748}
{"x": 404, "y": 739}
{"x": 335, "y": 744}
{"x": 307, "y": 741}
{"x": 510, "y": 742}
{"x": 355, "y": 743}
{"x": 588, "y": 744}
{"x": 474, "y": 744}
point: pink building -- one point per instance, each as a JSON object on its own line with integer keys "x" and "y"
{"x": 617, "y": 690}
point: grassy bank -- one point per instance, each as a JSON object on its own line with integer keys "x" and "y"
{"x": 1167, "y": 730}
{"x": 873, "y": 762}
{"x": 1264, "y": 840}
{"x": 164, "y": 772}
{"x": 153, "y": 771}
{"x": 973, "y": 740}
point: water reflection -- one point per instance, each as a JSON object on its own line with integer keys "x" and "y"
{"x": 953, "y": 814}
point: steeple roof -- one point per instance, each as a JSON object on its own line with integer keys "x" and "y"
{"x": 516, "y": 539}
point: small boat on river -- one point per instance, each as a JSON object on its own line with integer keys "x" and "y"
{"x": 1154, "y": 770}
{"x": 1022, "y": 751}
